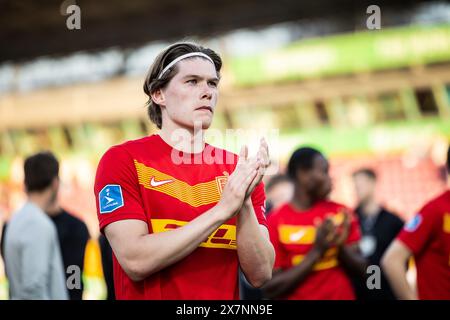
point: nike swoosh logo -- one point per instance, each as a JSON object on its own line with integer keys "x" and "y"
{"x": 154, "y": 183}
{"x": 294, "y": 237}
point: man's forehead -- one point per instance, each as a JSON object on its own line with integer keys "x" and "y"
{"x": 320, "y": 160}
{"x": 196, "y": 66}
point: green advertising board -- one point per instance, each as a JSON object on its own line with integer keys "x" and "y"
{"x": 346, "y": 54}
{"x": 393, "y": 136}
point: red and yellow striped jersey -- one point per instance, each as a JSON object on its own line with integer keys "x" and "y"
{"x": 293, "y": 233}
{"x": 427, "y": 235}
{"x": 141, "y": 179}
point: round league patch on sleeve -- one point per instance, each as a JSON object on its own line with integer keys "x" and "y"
{"x": 414, "y": 223}
{"x": 110, "y": 198}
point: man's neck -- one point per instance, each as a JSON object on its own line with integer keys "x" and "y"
{"x": 370, "y": 208}
{"x": 53, "y": 210}
{"x": 40, "y": 200}
{"x": 183, "y": 139}
{"x": 301, "y": 200}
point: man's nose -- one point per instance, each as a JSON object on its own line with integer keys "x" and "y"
{"x": 207, "y": 92}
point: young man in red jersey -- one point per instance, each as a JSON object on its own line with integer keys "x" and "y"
{"x": 181, "y": 215}
{"x": 426, "y": 237}
{"x": 315, "y": 240}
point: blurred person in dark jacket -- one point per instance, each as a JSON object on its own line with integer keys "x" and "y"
{"x": 379, "y": 227}
{"x": 107, "y": 264}
{"x": 73, "y": 236}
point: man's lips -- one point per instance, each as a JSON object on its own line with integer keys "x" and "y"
{"x": 205, "y": 108}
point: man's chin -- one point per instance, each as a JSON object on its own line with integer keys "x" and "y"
{"x": 204, "y": 124}
{"x": 323, "y": 195}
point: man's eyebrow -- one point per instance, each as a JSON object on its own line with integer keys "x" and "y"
{"x": 195, "y": 76}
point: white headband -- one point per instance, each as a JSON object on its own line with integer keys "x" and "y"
{"x": 184, "y": 56}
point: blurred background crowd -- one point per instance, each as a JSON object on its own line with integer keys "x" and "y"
{"x": 377, "y": 99}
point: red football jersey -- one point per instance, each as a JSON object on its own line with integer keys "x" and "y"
{"x": 145, "y": 179}
{"x": 293, "y": 232}
{"x": 427, "y": 235}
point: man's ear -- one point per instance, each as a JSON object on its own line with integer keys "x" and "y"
{"x": 56, "y": 183}
{"x": 158, "y": 97}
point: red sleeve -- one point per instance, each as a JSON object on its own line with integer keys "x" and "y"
{"x": 354, "y": 234}
{"x": 417, "y": 231}
{"x": 281, "y": 257}
{"x": 117, "y": 189}
{"x": 258, "y": 200}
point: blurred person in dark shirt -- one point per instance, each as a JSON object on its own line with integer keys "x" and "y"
{"x": 107, "y": 264}
{"x": 73, "y": 236}
{"x": 379, "y": 227}
{"x": 2, "y": 232}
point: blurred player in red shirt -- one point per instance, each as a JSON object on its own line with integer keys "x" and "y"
{"x": 315, "y": 240}
{"x": 180, "y": 214}
{"x": 426, "y": 237}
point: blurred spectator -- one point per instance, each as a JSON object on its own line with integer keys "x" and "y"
{"x": 315, "y": 240}
{"x": 107, "y": 264}
{"x": 2, "y": 241}
{"x": 2, "y": 233}
{"x": 379, "y": 227}
{"x": 33, "y": 260}
{"x": 73, "y": 236}
{"x": 426, "y": 237}
{"x": 279, "y": 190}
